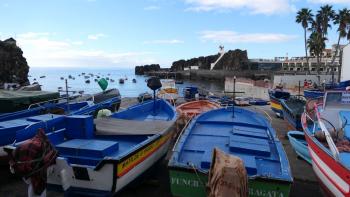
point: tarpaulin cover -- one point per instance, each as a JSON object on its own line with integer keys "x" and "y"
{"x": 227, "y": 176}
{"x": 11, "y": 101}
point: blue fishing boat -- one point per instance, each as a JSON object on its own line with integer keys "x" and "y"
{"x": 299, "y": 144}
{"x": 317, "y": 92}
{"x": 244, "y": 134}
{"x": 276, "y": 95}
{"x": 258, "y": 101}
{"x": 292, "y": 109}
{"x": 104, "y": 155}
{"x": 15, "y": 129}
{"x": 109, "y": 99}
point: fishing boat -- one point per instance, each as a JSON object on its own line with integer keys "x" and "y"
{"x": 144, "y": 97}
{"x": 239, "y": 132}
{"x": 317, "y": 92}
{"x": 292, "y": 109}
{"x": 168, "y": 91}
{"x": 257, "y": 101}
{"x": 11, "y": 101}
{"x": 104, "y": 155}
{"x": 121, "y": 81}
{"x": 190, "y": 93}
{"x": 241, "y": 101}
{"x": 190, "y": 109}
{"x": 299, "y": 144}
{"x": 275, "y": 100}
{"x": 15, "y": 126}
{"x": 327, "y": 132}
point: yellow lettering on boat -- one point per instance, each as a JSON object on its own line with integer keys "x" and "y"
{"x": 126, "y": 165}
{"x": 276, "y": 105}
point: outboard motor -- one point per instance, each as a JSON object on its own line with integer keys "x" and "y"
{"x": 154, "y": 83}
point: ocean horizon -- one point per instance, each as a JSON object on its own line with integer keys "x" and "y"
{"x": 52, "y": 80}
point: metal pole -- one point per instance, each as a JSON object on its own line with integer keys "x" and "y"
{"x": 154, "y": 102}
{"x": 234, "y": 96}
{"x": 299, "y": 87}
{"x": 67, "y": 96}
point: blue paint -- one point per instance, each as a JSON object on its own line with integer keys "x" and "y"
{"x": 248, "y": 135}
{"x": 299, "y": 144}
{"x": 22, "y": 125}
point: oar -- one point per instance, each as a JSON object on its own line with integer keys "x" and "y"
{"x": 329, "y": 139}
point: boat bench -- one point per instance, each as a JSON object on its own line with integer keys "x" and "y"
{"x": 86, "y": 151}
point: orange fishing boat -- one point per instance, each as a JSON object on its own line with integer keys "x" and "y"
{"x": 193, "y": 108}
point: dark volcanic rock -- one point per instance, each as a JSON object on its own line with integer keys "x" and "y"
{"x": 140, "y": 70}
{"x": 13, "y": 66}
{"x": 232, "y": 60}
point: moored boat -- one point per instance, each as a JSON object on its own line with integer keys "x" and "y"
{"x": 299, "y": 144}
{"x": 168, "y": 91}
{"x": 245, "y": 134}
{"x": 18, "y": 126}
{"x": 327, "y": 132}
{"x": 11, "y": 101}
{"x": 121, "y": 81}
{"x": 292, "y": 109}
{"x": 275, "y": 100}
{"x": 106, "y": 158}
{"x": 193, "y": 108}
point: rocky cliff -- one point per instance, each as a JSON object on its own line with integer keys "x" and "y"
{"x": 232, "y": 60}
{"x": 140, "y": 70}
{"x": 13, "y": 66}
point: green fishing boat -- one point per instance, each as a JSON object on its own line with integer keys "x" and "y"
{"x": 246, "y": 135}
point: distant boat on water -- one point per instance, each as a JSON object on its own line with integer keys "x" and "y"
{"x": 121, "y": 81}
{"x": 134, "y": 80}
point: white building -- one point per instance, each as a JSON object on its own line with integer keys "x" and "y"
{"x": 345, "y": 68}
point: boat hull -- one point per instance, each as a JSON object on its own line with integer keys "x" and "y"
{"x": 276, "y": 107}
{"x": 114, "y": 175}
{"x": 299, "y": 145}
{"x": 185, "y": 182}
{"x": 311, "y": 94}
{"x": 332, "y": 174}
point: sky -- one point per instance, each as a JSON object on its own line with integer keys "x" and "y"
{"x": 126, "y": 33}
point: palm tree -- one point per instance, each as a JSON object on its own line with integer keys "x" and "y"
{"x": 304, "y": 16}
{"x": 342, "y": 19}
{"x": 316, "y": 44}
{"x": 325, "y": 15}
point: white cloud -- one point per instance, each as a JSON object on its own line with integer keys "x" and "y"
{"x": 152, "y": 7}
{"x": 330, "y": 1}
{"x": 96, "y": 36}
{"x": 41, "y": 49}
{"x": 253, "y": 6}
{"x": 234, "y": 37}
{"x": 172, "y": 41}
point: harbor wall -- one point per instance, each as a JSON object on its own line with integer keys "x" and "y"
{"x": 292, "y": 81}
{"x": 249, "y": 89}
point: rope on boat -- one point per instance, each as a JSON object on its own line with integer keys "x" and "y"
{"x": 183, "y": 129}
{"x": 195, "y": 171}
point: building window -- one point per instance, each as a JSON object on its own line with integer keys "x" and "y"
{"x": 290, "y": 69}
{"x": 313, "y": 69}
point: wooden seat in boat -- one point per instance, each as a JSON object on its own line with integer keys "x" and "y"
{"x": 115, "y": 126}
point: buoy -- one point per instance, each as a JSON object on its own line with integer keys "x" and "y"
{"x": 103, "y": 113}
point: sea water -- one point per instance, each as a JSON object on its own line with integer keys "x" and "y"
{"x": 52, "y": 80}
